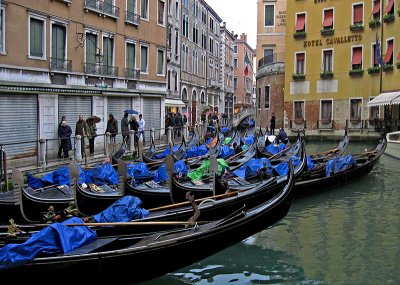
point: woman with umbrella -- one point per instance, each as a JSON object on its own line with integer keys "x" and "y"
{"x": 91, "y": 133}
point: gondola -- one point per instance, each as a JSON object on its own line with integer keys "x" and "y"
{"x": 148, "y": 256}
{"x": 118, "y": 154}
{"x": 318, "y": 178}
{"x": 215, "y": 185}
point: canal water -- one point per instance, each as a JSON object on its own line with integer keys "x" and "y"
{"x": 343, "y": 235}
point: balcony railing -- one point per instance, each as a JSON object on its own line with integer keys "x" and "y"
{"x": 132, "y": 18}
{"x": 60, "y": 64}
{"x": 68, "y": 2}
{"x": 214, "y": 83}
{"x": 97, "y": 69}
{"x": 354, "y": 124}
{"x": 381, "y": 125}
{"x": 270, "y": 59}
{"x": 298, "y": 124}
{"x": 131, "y": 73}
{"x": 325, "y": 124}
{"x": 102, "y": 8}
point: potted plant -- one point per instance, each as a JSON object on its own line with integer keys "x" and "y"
{"x": 374, "y": 23}
{"x": 355, "y": 72}
{"x": 299, "y": 34}
{"x": 398, "y": 11}
{"x": 326, "y": 74}
{"x": 373, "y": 69}
{"x": 297, "y": 76}
{"x": 387, "y": 67}
{"x": 327, "y": 31}
{"x": 357, "y": 27}
{"x": 398, "y": 64}
{"x": 389, "y": 17}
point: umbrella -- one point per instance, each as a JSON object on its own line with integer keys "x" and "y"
{"x": 95, "y": 119}
{"x": 186, "y": 114}
{"x": 132, "y": 112}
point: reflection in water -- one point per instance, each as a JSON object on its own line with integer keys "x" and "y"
{"x": 347, "y": 235}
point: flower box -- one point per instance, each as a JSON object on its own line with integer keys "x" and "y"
{"x": 388, "y": 18}
{"x": 398, "y": 12}
{"x": 326, "y": 75}
{"x": 387, "y": 67}
{"x": 298, "y": 76}
{"x": 356, "y": 72}
{"x": 357, "y": 27}
{"x": 374, "y": 23}
{"x": 327, "y": 31}
{"x": 299, "y": 34}
{"x": 398, "y": 64}
{"x": 373, "y": 69}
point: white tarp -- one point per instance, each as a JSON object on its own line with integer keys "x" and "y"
{"x": 174, "y": 103}
{"x": 388, "y": 98}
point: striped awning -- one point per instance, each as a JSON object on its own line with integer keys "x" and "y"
{"x": 388, "y": 98}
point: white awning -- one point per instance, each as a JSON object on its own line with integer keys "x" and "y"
{"x": 174, "y": 103}
{"x": 388, "y": 98}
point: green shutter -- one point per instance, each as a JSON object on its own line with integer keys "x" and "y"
{"x": 130, "y": 7}
{"x": 143, "y": 59}
{"x": 36, "y": 38}
{"x": 143, "y": 9}
{"x": 160, "y": 62}
{"x": 58, "y": 42}
{"x": 130, "y": 56}
{"x": 108, "y": 51}
{"x": 91, "y": 43}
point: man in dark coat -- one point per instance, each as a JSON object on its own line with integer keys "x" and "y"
{"x": 125, "y": 129}
{"x": 282, "y": 137}
{"x": 272, "y": 124}
{"x": 64, "y": 133}
{"x": 179, "y": 123}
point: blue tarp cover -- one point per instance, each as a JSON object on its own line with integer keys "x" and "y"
{"x": 180, "y": 167}
{"x": 160, "y": 175}
{"x": 102, "y": 174}
{"x": 123, "y": 210}
{"x": 54, "y": 238}
{"x": 225, "y": 129}
{"x": 59, "y": 176}
{"x": 248, "y": 140}
{"x": 196, "y": 151}
{"x": 274, "y": 149}
{"x": 226, "y": 151}
{"x": 283, "y": 167}
{"x": 338, "y": 164}
{"x": 166, "y": 152}
{"x": 139, "y": 171}
{"x": 251, "y": 167}
{"x": 310, "y": 164}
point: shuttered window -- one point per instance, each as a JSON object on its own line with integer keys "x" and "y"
{"x": 58, "y": 41}
{"x": 36, "y": 38}
{"x": 269, "y": 15}
{"x": 328, "y": 19}
{"x": 108, "y": 51}
{"x": 130, "y": 55}
{"x": 300, "y": 22}
{"x": 160, "y": 62}
{"x": 358, "y": 14}
{"x": 91, "y": 47}
{"x": 144, "y": 59}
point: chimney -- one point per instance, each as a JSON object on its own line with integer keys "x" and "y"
{"x": 243, "y": 37}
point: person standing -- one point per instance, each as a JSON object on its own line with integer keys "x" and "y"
{"x": 134, "y": 125}
{"x": 112, "y": 127}
{"x": 60, "y": 148}
{"x": 272, "y": 124}
{"x": 92, "y": 134}
{"x": 64, "y": 133}
{"x": 179, "y": 123}
{"x": 125, "y": 129}
{"x": 142, "y": 124}
{"x": 81, "y": 129}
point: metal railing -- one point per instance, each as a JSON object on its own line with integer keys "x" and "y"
{"x": 325, "y": 124}
{"x": 269, "y": 59}
{"x": 132, "y": 18}
{"x": 102, "y": 7}
{"x": 97, "y": 69}
{"x": 60, "y": 64}
{"x": 354, "y": 124}
{"x": 132, "y": 73}
{"x": 298, "y": 124}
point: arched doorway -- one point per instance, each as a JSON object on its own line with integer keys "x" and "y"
{"x": 194, "y": 106}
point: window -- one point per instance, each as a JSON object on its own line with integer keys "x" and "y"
{"x": 356, "y": 59}
{"x": 185, "y": 26}
{"x": 161, "y": 12}
{"x": 235, "y": 49}
{"x": 235, "y": 82}
{"x": 203, "y": 97}
{"x": 176, "y": 81}
{"x": 388, "y": 59}
{"x": 376, "y": 9}
{"x": 268, "y": 56}
{"x": 177, "y": 10}
{"x": 144, "y": 9}
{"x": 2, "y": 31}
{"x": 374, "y": 56}
{"x": 211, "y": 24}
{"x": 184, "y": 95}
{"x": 235, "y": 63}
{"x": 160, "y": 62}
{"x": 373, "y": 111}
{"x": 144, "y": 56}
{"x": 169, "y": 80}
{"x": 58, "y": 34}
{"x": 203, "y": 67}
{"x": 195, "y": 8}
{"x": 358, "y": 14}
{"x": 195, "y": 34}
{"x": 195, "y": 63}
{"x": 203, "y": 15}
{"x": 389, "y": 7}
{"x": 91, "y": 48}
{"x": 300, "y": 23}
{"x": 269, "y": 15}
{"x": 176, "y": 42}
{"x": 300, "y": 63}
{"x": 326, "y": 110}
{"x": 266, "y": 96}
{"x": 130, "y": 55}
{"x": 259, "y": 98}
{"x": 327, "y": 61}
{"x": 355, "y": 109}
{"x": 37, "y": 37}
{"x": 203, "y": 39}
{"x": 108, "y": 51}
{"x": 211, "y": 45}
{"x": 299, "y": 110}
{"x": 328, "y": 19}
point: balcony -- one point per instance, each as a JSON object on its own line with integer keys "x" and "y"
{"x": 104, "y": 9}
{"x": 354, "y": 124}
{"x": 131, "y": 73}
{"x": 97, "y": 69}
{"x": 132, "y": 18}
{"x": 60, "y": 64}
{"x": 214, "y": 83}
{"x": 325, "y": 124}
{"x": 298, "y": 124}
{"x": 68, "y": 2}
{"x": 229, "y": 90}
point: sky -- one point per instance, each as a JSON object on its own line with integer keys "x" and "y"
{"x": 240, "y": 16}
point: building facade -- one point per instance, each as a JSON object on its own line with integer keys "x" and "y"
{"x": 339, "y": 56}
{"x": 270, "y": 54}
{"x": 243, "y": 73}
{"x": 79, "y": 57}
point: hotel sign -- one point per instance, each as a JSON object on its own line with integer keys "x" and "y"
{"x": 333, "y": 41}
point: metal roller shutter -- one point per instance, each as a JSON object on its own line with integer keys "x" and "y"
{"x": 152, "y": 113}
{"x": 116, "y": 106}
{"x": 72, "y": 107}
{"x": 19, "y": 124}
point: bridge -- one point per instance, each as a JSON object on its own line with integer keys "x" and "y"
{"x": 244, "y": 114}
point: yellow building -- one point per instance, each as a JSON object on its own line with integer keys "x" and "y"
{"x": 332, "y": 69}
